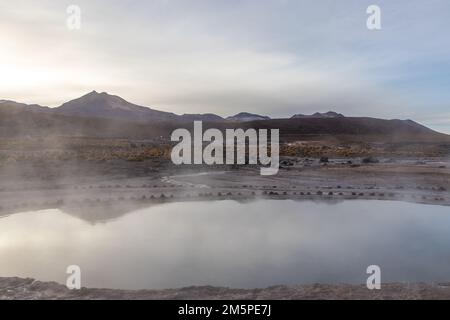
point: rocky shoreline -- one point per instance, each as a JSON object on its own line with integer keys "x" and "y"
{"x": 30, "y": 289}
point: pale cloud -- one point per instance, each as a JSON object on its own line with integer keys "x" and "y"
{"x": 272, "y": 57}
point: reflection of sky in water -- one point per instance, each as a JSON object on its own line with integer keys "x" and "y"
{"x": 227, "y": 243}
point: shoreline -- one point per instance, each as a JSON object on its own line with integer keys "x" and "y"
{"x": 114, "y": 189}
{"x": 85, "y": 207}
{"x": 415, "y": 183}
{"x": 30, "y": 289}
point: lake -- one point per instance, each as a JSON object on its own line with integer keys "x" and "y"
{"x": 233, "y": 244}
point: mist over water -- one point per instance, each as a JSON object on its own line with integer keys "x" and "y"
{"x": 233, "y": 244}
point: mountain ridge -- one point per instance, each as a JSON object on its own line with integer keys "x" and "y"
{"x": 246, "y": 116}
{"x": 104, "y": 105}
{"x": 114, "y": 113}
{"x": 329, "y": 114}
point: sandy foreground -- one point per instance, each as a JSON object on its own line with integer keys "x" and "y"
{"x": 30, "y": 289}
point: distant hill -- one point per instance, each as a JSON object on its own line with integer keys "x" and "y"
{"x": 329, "y": 114}
{"x": 103, "y": 105}
{"x": 245, "y": 116}
{"x": 359, "y": 128}
{"x": 15, "y": 107}
{"x": 104, "y": 115}
{"x": 201, "y": 117}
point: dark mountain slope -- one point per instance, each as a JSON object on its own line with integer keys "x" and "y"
{"x": 103, "y": 105}
{"x": 104, "y": 115}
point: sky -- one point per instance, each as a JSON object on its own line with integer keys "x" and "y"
{"x": 271, "y": 57}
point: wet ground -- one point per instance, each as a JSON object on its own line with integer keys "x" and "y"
{"x": 117, "y": 184}
{"x": 118, "y": 187}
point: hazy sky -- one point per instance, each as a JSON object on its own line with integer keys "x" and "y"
{"x": 274, "y": 57}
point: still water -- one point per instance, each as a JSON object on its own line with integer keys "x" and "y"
{"x": 227, "y": 243}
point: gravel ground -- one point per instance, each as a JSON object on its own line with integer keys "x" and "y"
{"x": 30, "y": 289}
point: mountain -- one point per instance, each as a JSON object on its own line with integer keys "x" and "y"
{"x": 329, "y": 114}
{"x": 202, "y": 117}
{"x": 103, "y": 105}
{"x": 245, "y": 116}
{"x": 15, "y": 107}
{"x": 103, "y": 115}
{"x": 354, "y": 128}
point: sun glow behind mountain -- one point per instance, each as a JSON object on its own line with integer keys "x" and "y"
{"x": 277, "y": 58}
